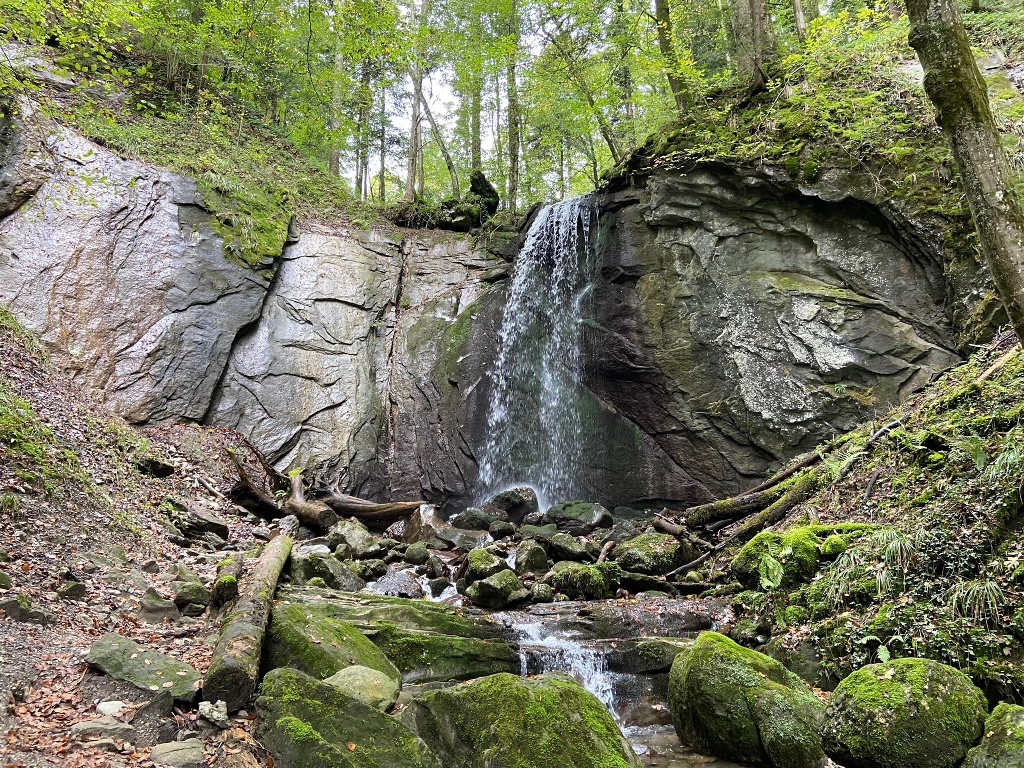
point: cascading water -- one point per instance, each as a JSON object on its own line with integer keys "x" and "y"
{"x": 534, "y": 422}
{"x": 541, "y": 651}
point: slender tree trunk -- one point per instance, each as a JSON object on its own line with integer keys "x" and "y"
{"x": 475, "y": 107}
{"x": 798, "y": 15}
{"x": 957, "y": 90}
{"x": 383, "y": 139}
{"x": 414, "y": 134}
{"x": 334, "y": 160}
{"x": 752, "y": 38}
{"x": 512, "y": 88}
{"x": 561, "y": 168}
{"x": 896, "y": 10}
{"x": 667, "y": 46}
{"x": 439, "y": 138}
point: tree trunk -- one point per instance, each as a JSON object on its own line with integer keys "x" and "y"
{"x": 957, "y": 90}
{"x": 475, "y": 108}
{"x": 751, "y": 36}
{"x": 235, "y": 667}
{"x": 383, "y": 140}
{"x": 512, "y": 119}
{"x": 798, "y": 15}
{"x": 414, "y": 134}
{"x": 667, "y": 46}
{"x": 439, "y": 138}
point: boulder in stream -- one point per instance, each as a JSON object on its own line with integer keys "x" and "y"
{"x": 588, "y": 582}
{"x": 653, "y": 554}
{"x": 497, "y": 591}
{"x": 578, "y": 518}
{"x": 505, "y": 721}
{"x": 517, "y": 503}
{"x": 735, "y": 703}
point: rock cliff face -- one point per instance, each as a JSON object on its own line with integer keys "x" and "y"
{"x": 739, "y": 320}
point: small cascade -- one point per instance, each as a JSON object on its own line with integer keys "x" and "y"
{"x": 534, "y": 422}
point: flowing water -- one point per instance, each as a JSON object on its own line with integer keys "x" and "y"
{"x": 534, "y": 422}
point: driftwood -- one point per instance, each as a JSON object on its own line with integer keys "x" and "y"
{"x": 317, "y": 513}
{"x": 225, "y": 586}
{"x": 605, "y": 551}
{"x": 235, "y": 667}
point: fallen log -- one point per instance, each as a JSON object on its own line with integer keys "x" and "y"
{"x": 225, "y": 586}
{"x": 370, "y": 511}
{"x": 235, "y": 668}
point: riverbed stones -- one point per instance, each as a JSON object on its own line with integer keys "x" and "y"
{"x": 478, "y": 519}
{"x": 306, "y": 723}
{"x": 417, "y": 554}
{"x": 531, "y": 558}
{"x": 517, "y": 503}
{"x": 906, "y": 713}
{"x": 482, "y": 564}
{"x": 314, "y": 559}
{"x": 735, "y": 703}
{"x": 578, "y": 518}
{"x": 495, "y": 591}
{"x": 126, "y": 660}
{"x": 367, "y": 685}
{"x": 314, "y": 643}
{"x": 505, "y": 721}
{"x": 353, "y": 533}
{"x": 653, "y": 554}
{"x": 562, "y": 546}
{"x": 585, "y": 582}
{"x": 1002, "y": 746}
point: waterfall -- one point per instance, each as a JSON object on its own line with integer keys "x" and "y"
{"x": 534, "y": 421}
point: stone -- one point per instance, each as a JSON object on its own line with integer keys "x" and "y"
{"x": 73, "y": 590}
{"x": 737, "y": 704}
{"x": 500, "y": 529}
{"x": 105, "y": 727}
{"x": 154, "y": 608}
{"x": 1002, "y": 745}
{"x": 438, "y": 585}
{"x": 505, "y": 721}
{"x": 403, "y": 583}
{"x": 800, "y": 565}
{"x": 578, "y": 518}
{"x": 495, "y": 591}
{"x": 313, "y": 559}
{"x": 542, "y": 532}
{"x": 5, "y": 581}
{"x": 640, "y": 582}
{"x": 531, "y": 558}
{"x": 370, "y": 570}
{"x": 906, "y": 713}
{"x": 19, "y": 608}
{"x": 318, "y": 645}
{"x": 380, "y": 549}
{"x": 367, "y": 685}
{"x": 126, "y": 660}
{"x": 463, "y": 540}
{"x": 423, "y": 525}
{"x": 150, "y": 566}
{"x": 541, "y": 593}
{"x": 562, "y": 546}
{"x": 516, "y": 503}
{"x": 110, "y": 707}
{"x": 178, "y": 754}
{"x": 186, "y": 592}
{"x": 196, "y": 520}
{"x": 481, "y": 564}
{"x": 306, "y": 723}
{"x": 215, "y": 713}
{"x": 646, "y": 656}
{"x": 653, "y": 554}
{"x": 585, "y": 582}
{"x": 417, "y": 554}
{"x": 479, "y": 519}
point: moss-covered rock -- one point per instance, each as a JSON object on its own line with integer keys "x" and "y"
{"x": 578, "y": 518}
{"x": 531, "y": 558}
{"x": 425, "y": 657}
{"x": 307, "y": 640}
{"x": 796, "y": 550}
{"x": 562, "y": 546}
{"x": 654, "y": 554}
{"x": 1003, "y": 743}
{"x": 368, "y": 685}
{"x": 124, "y": 659}
{"x": 738, "y": 704}
{"x": 310, "y": 561}
{"x": 832, "y": 547}
{"x": 305, "y": 723}
{"x": 586, "y": 582}
{"x": 482, "y": 564}
{"x": 495, "y": 591}
{"x": 417, "y": 553}
{"x": 907, "y": 713}
{"x": 504, "y": 721}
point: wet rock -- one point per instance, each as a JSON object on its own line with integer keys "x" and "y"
{"x": 541, "y": 593}
{"x": 475, "y": 518}
{"x": 639, "y": 582}
{"x": 417, "y": 554}
{"x": 463, "y": 541}
{"x": 531, "y": 558}
{"x": 542, "y": 532}
{"x": 645, "y": 656}
{"x": 305, "y": 723}
{"x": 438, "y": 585}
{"x": 436, "y": 567}
{"x": 399, "y": 584}
{"x": 578, "y": 518}
{"x": 143, "y": 667}
{"x": 352, "y": 533}
{"x": 423, "y": 525}
{"x": 517, "y": 503}
{"x": 562, "y": 546}
{"x": 495, "y": 591}
{"x": 587, "y": 582}
{"x": 654, "y": 554}
{"x": 481, "y": 564}
{"x": 367, "y": 685}
{"x": 370, "y": 570}
{"x": 318, "y": 644}
{"x": 907, "y": 713}
{"x": 481, "y": 724}
{"x": 154, "y": 608}
{"x": 380, "y": 549}
{"x": 501, "y": 530}
{"x": 179, "y": 754}
{"x": 313, "y": 559}
{"x": 1002, "y": 746}
{"x": 740, "y": 705}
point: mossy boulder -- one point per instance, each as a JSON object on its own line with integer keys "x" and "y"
{"x": 735, "y": 703}
{"x": 478, "y": 518}
{"x": 653, "y": 554}
{"x": 417, "y": 553}
{"x": 306, "y": 723}
{"x": 578, "y": 518}
{"x": 646, "y": 656}
{"x": 796, "y": 550}
{"x": 426, "y": 657}
{"x": 531, "y": 558}
{"x": 482, "y": 564}
{"x": 562, "y": 546}
{"x": 126, "y": 660}
{"x": 353, "y": 533}
{"x": 907, "y": 713}
{"x": 307, "y": 640}
{"x": 368, "y": 685}
{"x": 1003, "y": 743}
{"x": 505, "y": 721}
{"x": 832, "y": 547}
{"x": 495, "y": 591}
{"x": 311, "y": 561}
{"x": 517, "y": 503}
{"x": 586, "y": 582}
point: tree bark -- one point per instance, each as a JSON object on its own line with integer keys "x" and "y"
{"x": 801, "y": 25}
{"x": 667, "y": 46}
{"x": 414, "y": 134}
{"x": 752, "y": 38}
{"x": 512, "y": 116}
{"x": 235, "y": 668}
{"x": 956, "y": 88}
{"x": 439, "y": 138}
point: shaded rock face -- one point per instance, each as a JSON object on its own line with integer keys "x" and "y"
{"x": 115, "y": 265}
{"x": 741, "y": 322}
